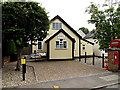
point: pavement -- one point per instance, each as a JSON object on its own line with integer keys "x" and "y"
{"x": 95, "y": 81}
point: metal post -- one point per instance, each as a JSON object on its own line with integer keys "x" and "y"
{"x": 23, "y": 72}
{"x": 85, "y": 57}
{"x": 103, "y": 60}
{"x": 93, "y": 58}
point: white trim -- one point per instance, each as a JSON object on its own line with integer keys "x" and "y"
{"x": 41, "y": 46}
{"x": 62, "y": 43}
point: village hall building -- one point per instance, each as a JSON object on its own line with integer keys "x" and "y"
{"x": 63, "y": 42}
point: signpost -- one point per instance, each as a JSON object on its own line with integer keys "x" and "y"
{"x": 23, "y": 62}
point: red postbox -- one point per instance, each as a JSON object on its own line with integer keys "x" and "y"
{"x": 114, "y": 55}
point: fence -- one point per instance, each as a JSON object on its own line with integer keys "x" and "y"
{"x": 97, "y": 61}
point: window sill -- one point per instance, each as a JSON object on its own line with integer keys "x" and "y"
{"x": 55, "y": 29}
{"x": 39, "y": 49}
{"x": 60, "y": 48}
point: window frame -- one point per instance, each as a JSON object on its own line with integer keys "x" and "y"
{"x": 58, "y": 25}
{"x": 83, "y": 46}
{"x": 41, "y": 45}
{"x": 62, "y": 44}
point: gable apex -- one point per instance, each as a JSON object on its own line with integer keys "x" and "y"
{"x": 61, "y": 30}
{"x": 59, "y": 18}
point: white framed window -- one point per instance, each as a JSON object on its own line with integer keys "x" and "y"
{"x": 56, "y": 25}
{"x": 74, "y": 44}
{"x": 40, "y": 45}
{"x": 61, "y": 44}
{"x": 83, "y": 47}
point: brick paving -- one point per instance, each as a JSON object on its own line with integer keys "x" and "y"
{"x": 97, "y": 61}
{"x": 57, "y": 70}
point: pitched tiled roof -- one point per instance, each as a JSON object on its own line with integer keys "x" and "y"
{"x": 89, "y": 35}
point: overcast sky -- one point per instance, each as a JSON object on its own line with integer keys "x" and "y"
{"x": 72, "y": 11}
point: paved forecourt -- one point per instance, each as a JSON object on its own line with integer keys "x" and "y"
{"x": 57, "y": 70}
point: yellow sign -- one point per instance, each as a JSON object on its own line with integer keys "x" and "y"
{"x": 23, "y": 61}
{"x": 56, "y": 86}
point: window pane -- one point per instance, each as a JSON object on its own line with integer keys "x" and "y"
{"x": 56, "y": 25}
{"x": 60, "y": 25}
{"x": 65, "y": 44}
{"x": 83, "y": 47}
{"x": 57, "y": 44}
{"x": 61, "y": 44}
{"x": 53, "y": 25}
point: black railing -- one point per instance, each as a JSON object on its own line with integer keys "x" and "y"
{"x": 93, "y": 58}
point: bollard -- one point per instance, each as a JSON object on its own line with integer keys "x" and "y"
{"x": 103, "y": 60}
{"x": 23, "y": 62}
{"x": 93, "y": 58}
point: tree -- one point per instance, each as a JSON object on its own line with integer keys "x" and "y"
{"x": 107, "y": 22}
{"x": 22, "y": 22}
{"x": 85, "y": 30}
{"x": 9, "y": 48}
{"x": 93, "y": 31}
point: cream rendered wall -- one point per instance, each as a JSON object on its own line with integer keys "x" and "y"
{"x": 97, "y": 51}
{"x": 60, "y": 53}
{"x": 44, "y": 47}
{"x": 95, "y": 47}
{"x": 88, "y": 46}
{"x": 51, "y": 32}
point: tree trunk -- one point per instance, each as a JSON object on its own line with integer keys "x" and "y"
{"x": 31, "y": 46}
{"x": 18, "y": 60}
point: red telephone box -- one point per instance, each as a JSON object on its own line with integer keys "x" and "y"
{"x": 114, "y": 55}
{"x": 115, "y": 43}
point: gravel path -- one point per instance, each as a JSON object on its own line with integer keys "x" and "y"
{"x": 11, "y": 78}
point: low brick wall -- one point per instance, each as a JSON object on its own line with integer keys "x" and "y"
{"x": 6, "y": 60}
